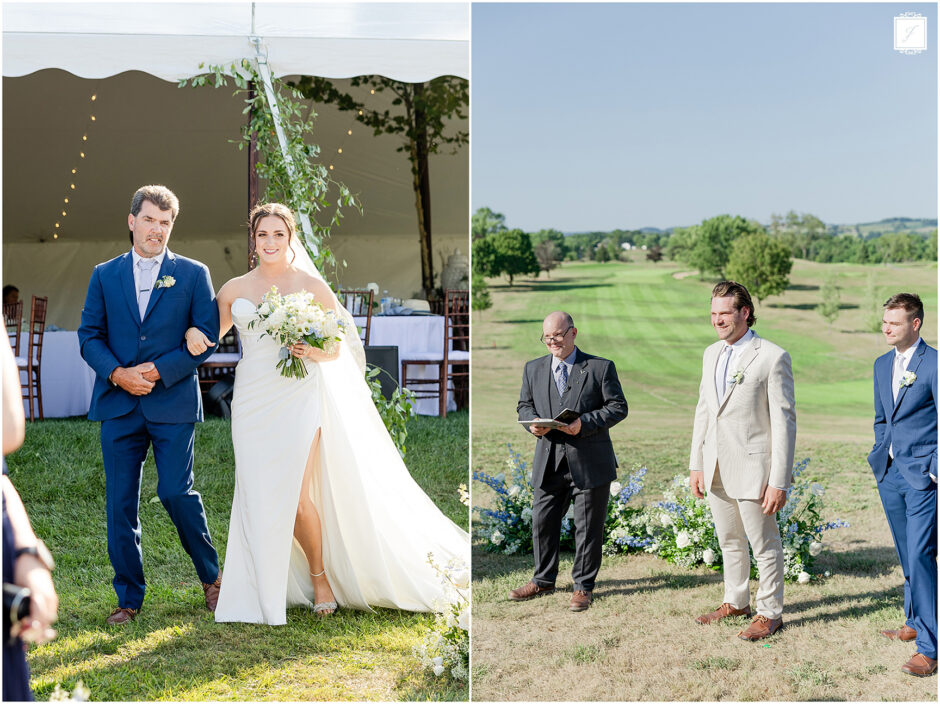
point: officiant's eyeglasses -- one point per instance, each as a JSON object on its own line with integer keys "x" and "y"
{"x": 545, "y": 339}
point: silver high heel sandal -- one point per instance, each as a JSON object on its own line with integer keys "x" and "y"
{"x": 324, "y": 608}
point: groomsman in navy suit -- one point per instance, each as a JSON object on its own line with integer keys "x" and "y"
{"x": 904, "y": 460}
{"x": 146, "y": 392}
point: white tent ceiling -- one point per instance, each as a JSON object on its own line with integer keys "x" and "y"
{"x": 149, "y": 130}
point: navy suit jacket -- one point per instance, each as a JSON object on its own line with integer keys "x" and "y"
{"x": 597, "y": 396}
{"x": 112, "y": 335}
{"x": 910, "y": 425}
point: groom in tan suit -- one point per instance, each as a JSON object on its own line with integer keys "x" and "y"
{"x": 742, "y": 456}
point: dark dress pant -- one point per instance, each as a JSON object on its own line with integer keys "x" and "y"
{"x": 550, "y": 503}
{"x": 912, "y": 517}
{"x": 124, "y": 445}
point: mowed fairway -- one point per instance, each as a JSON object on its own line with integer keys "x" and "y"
{"x": 639, "y": 641}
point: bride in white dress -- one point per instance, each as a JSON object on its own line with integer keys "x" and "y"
{"x": 325, "y": 512}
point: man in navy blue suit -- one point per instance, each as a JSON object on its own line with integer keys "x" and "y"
{"x": 904, "y": 460}
{"x": 146, "y": 392}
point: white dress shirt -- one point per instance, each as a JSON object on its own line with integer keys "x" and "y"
{"x": 737, "y": 349}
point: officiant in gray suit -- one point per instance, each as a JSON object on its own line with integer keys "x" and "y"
{"x": 574, "y": 464}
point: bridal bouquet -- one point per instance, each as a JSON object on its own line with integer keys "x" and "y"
{"x": 294, "y": 318}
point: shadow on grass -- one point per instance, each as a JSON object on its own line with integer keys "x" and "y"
{"x": 802, "y": 287}
{"x": 808, "y": 306}
{"x": 868, "y": 561}
{"x": 851, "y": 603}
{"x": 626, "y": 587}
{"x": 556, "y": 286}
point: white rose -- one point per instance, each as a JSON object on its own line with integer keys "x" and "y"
{"x": 665, "y": 519}
{"x": 438, "y": 669}
{"x": 615, "y": 488}
{"x": 803, "y": 578}
{"x": 496, "y": 537}
{"x": 514, "y": 490}
{"x": 374, "y": 287}
{"x": 815, "y": 548}
{"x": 708, "y": 557}
{"x": 687, "y": 480}
{"x": 461, "y": 579}
{"x": 437, "y": 661}
{"x": 527, "y": 515}
{"x": 464, "y": 619}
{"x": 683, "y": 540}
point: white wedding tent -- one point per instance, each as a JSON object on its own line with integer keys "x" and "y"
{"x": 91, "y": 111}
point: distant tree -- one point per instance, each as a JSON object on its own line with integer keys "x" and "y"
{"x": 555, "y": 236}
{"x": 514, "y": 253}
{"x": 899, "y": 247}
{"x": 829, "y": 292}
{"x": 485, "y": 256}
{"x": 714, "y": 242}
{"x": 485, "y": 222}
{"x": 761, "y": 263}
{"x": 655, "y": 253}
{"x": 799, "y": 232}
{"x": 930, "y": 251}
{"x": 480, "y": 297}
{"x": 601, "y": 253}
{"x": 680, "y": 244}
{"x": 546, "y": 252}
{"x": 874, "y": 302}
{"x": 614, "y": 250}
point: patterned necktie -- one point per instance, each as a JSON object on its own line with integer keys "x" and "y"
{"x": 145, "y": 284}
{"x": 562, "y": 380}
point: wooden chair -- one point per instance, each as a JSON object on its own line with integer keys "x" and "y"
{"x": 220, "y": 362}
{"x": 454, "y": 353}
{"x": 13, "y": 318}
{"x": 31, "y": 363}
{"x": 359, "y": 305}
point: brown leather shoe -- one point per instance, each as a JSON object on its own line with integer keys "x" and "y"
{"x": 906, "y": 633}
{"x": 723, "y": 611}
{"x": 919, "y": 666}
{"x": 212, "y": 592}
{"x": 529, "y": 591}
{"x": 761, "y": 627}
{"x": 121, "y": 616}
{"x": 580, "y": 601}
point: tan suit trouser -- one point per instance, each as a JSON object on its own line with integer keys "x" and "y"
{"x": 737, "y": 522}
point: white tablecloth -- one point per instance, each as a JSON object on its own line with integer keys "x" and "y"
{"x": 66, "y": 380}
{"x": 411, "y": 334}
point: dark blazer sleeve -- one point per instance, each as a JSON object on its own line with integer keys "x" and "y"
{"x": 880, "y": 417}
{"x": 526, "y": 406}
{"x": 178, "y": 363}
{"x": 614, "y": 407}
{"x": 93, "y": 332}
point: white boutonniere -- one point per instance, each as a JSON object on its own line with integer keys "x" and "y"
{"x": 737, "y": 377}
{"x": 908, "y": 379}
{"x": 166, "y": 281}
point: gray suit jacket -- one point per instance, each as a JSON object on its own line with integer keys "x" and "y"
{"x": 597, "y": 396}
{"x": 751, "y": 434}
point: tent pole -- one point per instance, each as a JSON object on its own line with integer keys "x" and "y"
{"x": 253, "y": 185}
{"x": 265, "y": 72}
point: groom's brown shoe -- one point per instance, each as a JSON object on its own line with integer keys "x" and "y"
{"x": 529, "y": 591}
{"x": 580, "y": 601}
{"x": 919, "y": 666}
{"x": 723, "y": 611}
{"x": 121, "y": 616}
{"x": 761, "y": 627}
{"x": 212, "y": 592}
{"x": 906, "y": 633}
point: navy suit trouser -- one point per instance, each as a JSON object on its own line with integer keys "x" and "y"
{"x": 124, "y": 444}
{"x": 912, "y": 517}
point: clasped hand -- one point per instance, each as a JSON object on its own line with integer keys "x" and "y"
{"x": 138, "y": 380}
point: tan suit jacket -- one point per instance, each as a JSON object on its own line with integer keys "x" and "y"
{"x": 751, "y": 434}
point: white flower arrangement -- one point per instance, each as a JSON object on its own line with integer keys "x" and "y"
{"x": 294, "y": 318}
{"x": 908, "y": 379}
{"x": 166, "y": 281}
{"x": 446, "y": 646}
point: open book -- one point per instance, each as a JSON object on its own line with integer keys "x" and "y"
{"x": 566, "y": 417}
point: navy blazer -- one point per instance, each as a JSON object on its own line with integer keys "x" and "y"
{"x": 112, "y": 335}
{"x": 597, "y": 396}
{"x": 911, "y": 423}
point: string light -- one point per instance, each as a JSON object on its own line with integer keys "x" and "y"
{"x": 339, "y": 151}
{"x": 72, "y": 185}
{"x": 349, "y": 132}
{"x": 331, "y": 167}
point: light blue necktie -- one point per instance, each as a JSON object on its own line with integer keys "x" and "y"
{"x": 145, "y": 285}
{"x": 562, "y": 380}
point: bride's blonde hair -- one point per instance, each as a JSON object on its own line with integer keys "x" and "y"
{"x": 263, "y": 210}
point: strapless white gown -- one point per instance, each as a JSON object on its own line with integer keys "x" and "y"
{"x": 378, "y": 525}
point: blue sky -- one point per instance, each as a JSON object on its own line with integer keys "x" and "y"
{"x": 598, "y": 116}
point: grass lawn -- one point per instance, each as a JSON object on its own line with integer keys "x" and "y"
{"x": 175, "y": 650}
{"x": 639, "y": 640}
